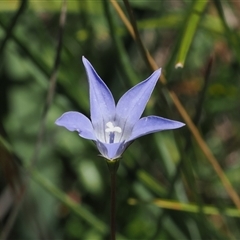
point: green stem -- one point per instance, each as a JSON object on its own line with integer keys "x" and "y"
{"x": 10, "y": 28}
{"x": 139, "y": 42}
{"x": 113, "y": 205}
{"x": 113, "y": 166}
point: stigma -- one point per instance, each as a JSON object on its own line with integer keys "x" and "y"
{"x": 110, "y": 128}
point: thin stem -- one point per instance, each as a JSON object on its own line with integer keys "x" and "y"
{"x": 12, "y": 25}
{"x": 145, "y": 54}
{"x": 52, "y": 84}
{"x": 113, "y": 205}
{"x": 113, "y": 167}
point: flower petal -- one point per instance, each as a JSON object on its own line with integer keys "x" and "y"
{"x": 132, "y": 104}
{"x": 152, "y": 124}
{"x": 75, "y": 121}
{"x": 111, "y": 151}
{"x": 102, "y": 105}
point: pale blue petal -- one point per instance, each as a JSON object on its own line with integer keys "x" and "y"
{"x": 132, "y": 104}
{"x": 75, "y": 121}
{"x": 102, "y": 105}
{"x": 152, "y": 124}
{"x": 111, "y": 151}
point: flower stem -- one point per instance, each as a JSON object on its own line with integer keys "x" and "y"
{"x": 113, "y": 205}
{"x": 113, "y": 166}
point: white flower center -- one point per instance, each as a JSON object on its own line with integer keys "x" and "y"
{"x": 111, "y": 129}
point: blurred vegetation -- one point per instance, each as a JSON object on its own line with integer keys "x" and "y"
{"x": 53, "y": 185}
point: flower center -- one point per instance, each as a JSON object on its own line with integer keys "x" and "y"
{"x": 111, "y": 129}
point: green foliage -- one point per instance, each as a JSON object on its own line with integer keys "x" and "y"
{"x": 166, "y": 187}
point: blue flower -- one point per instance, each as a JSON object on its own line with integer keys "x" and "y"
{"x": 113, "y": 127}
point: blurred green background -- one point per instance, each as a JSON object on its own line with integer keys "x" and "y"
{"x": 54, "y": 186}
